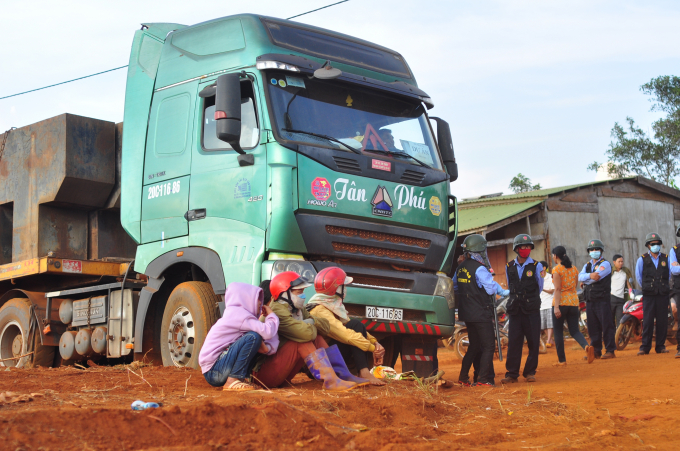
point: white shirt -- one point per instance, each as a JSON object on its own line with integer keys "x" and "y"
{"x": 547, "y": 298}
{"x": 618, "y": 283}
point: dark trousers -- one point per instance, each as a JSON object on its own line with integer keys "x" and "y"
{"x": 523, "y": 325}
{"x": 571, "y": 315}
{"x": 600, "y": 326}
{"x": 616, "y": 304}
{"x": 479, "y": 352}
{"x": 350, "y": 352}
{"x": 654, "y": 308}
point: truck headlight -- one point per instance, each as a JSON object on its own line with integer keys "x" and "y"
{"x": 445, "y": 288}
{"x": 303, "y": 268}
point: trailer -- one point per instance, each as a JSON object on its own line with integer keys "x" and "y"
{"x": 250, "y": 146}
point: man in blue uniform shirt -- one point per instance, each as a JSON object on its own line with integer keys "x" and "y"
{"x": 475, "y": 293}
{"x": 653, "y": 274}
{"x": 675, "y": 291}
{"x": 596, "y": 276}
{"x": 524, "y": 311}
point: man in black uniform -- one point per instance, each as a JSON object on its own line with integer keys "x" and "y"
{"x": 652, "y": 272}
{"x": 475, "y": 293}
{"x": 596, "y": 276}
{"x": 524, "y": 310}
{"x": 675, "y": 291}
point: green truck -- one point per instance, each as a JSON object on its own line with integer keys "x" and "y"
{"x": 252, "y": 146}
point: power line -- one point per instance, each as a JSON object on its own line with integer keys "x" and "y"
{"x": 123, "y": 67}
{"x": 318, "y": 9}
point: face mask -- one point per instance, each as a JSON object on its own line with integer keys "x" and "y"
{"x": 595, "y": 254}
{"x": 655, "y": 248}
{"x": 524, "y": 253}
{"x": 341, "y": 292}
{"x": 299, "y": 301}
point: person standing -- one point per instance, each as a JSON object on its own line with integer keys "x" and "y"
{"x": 565, "y": 280}
{"x": 675, "y": 292}
{"x": 597, "y": 279}
{"x": 653, "y": 274}
{"x": 475, "y": 292}
{"x": 621, "y": 287}
{"x": 547, "y": 305}
{"x": 525, "y": 282}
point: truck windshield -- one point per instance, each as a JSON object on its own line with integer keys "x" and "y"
{"x": 346, "y": 117}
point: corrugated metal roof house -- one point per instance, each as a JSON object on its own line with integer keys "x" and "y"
{"x": 620, "y": 212}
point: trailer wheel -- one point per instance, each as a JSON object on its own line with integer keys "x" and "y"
{"x": 15, "y": 322}
{"x": 189, "y": 314}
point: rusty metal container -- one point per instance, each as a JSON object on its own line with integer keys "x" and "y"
{"x": 58, "y": 182}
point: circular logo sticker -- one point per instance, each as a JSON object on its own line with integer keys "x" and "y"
{"x": 663, "y": 263}
{"x": 273, "y": 81}
{"x": 282, "y": 83}
{"x": 601, "y": 268}
{"x": 435, "y": 206}
{"x": 321, "y": 189}
{"x": 530, "y": 273}
{"x": 525, "y": 237}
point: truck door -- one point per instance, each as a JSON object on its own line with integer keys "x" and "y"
{"x": 232, "y": 196}
{"x": 167, "y": 164}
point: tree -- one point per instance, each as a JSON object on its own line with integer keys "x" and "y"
{"x": 521, "y": 184}
{"x": 634, "y": 152}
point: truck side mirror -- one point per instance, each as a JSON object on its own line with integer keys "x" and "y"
{"x": 446, "y": 147}
{"x": 228, "y": 110}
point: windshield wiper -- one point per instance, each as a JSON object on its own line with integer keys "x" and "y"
{"x": 319, "y": 135}
{"x": 401, "y": 154}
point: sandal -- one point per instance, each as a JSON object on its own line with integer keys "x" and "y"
{"x": 238, "y": 386}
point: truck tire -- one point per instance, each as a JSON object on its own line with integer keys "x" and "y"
{"x": 15, "y": 322}
{"x": 189, "y": 314}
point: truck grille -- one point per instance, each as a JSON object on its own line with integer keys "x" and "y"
{"x": 347, "y": 164}
{"x": 378, "y": 252}
{"x": 375, "y": 282}
{"x": 412, "y": 177}
{"x": 380, "y": 236}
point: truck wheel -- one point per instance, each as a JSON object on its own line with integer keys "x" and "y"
{"x": 189, "y": 314}
{"x": 15, "y": 321}
{"x": 623, "y": 334}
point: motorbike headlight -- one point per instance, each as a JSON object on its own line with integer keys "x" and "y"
{"x": 445, "y": 288}
{"x": 304, "y": 268}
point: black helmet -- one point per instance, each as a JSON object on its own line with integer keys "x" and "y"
{"x": 595, "y": 244}
{"x": 474, "y": 243}
{"x": 677, "y": 231}
{"x": 522, "y": 239}
{"x": 652, "y": 237}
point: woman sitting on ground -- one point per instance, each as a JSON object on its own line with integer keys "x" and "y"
{"x": 300, "y": 342}
{"x": 349, "y": 334}
{"x": 228, "y": 354}
{"x": 565, "y": 301}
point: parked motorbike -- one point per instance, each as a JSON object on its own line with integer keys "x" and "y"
{"x": 460, "y": 341}
{"x": 630, "y": 326}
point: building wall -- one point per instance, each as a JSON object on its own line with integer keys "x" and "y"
{"x": 573, "y": 230}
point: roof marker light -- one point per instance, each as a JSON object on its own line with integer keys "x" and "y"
{"x": 262, "y": 65}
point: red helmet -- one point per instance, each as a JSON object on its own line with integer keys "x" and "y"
{"x": 285, "y": 281}
{"x": 330, "y": 279}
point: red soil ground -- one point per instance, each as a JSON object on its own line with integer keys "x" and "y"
{"x": 628, "y": 402}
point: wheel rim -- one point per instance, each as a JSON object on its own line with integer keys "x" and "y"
{"x": 181, "y": 337}
{"x": 11, "y": 344}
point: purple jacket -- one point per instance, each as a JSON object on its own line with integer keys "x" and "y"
{"x": 241, "y": 314}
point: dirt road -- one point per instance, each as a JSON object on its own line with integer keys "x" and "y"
{"x": 630, "y": 402}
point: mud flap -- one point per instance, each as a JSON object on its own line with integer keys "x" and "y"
{"x": 419, "y": 354}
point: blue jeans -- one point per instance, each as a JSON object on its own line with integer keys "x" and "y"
{"x": 237, "y": 361}
{"x": 571, "y": 315}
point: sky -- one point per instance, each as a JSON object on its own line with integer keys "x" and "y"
{"x": 527, "y": 86}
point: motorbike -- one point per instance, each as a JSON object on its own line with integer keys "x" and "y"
{"x": 460, "y": 341}
{"x": 630, "y": 326}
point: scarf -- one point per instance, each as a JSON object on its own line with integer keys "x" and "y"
{"x": 296, "y": 313}
{"x": 332, "y": 303}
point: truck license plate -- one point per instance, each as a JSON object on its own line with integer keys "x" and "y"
{"x": 390, "y": 314}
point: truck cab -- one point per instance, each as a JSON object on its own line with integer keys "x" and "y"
{"x": 253, "y": 146}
